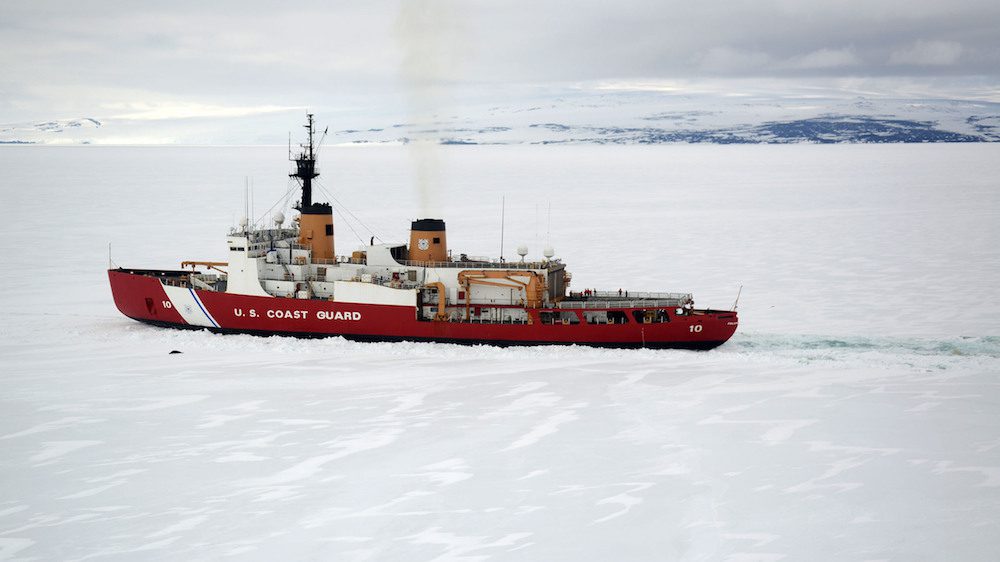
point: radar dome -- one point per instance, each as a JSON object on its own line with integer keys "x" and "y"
{"x": 279, "y": 218}
{"x": 549, "y": 252}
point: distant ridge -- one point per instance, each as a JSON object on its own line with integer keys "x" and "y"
{"x": 49, "y": 131}
{"x": 650, "y": 118}
{"x": 579, "y": 117}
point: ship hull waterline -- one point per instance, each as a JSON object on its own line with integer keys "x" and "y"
{"x": 145, "y": 298}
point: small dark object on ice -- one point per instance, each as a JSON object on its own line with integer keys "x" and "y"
{"x": 174, "y": 351}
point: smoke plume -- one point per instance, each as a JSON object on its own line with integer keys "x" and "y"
{"x": 427, "y": 32}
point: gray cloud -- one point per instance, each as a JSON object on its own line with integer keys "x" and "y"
{"x": 928, "y": 53}
{"x": 734, "y": 38}
{"x": 109, "y": 58}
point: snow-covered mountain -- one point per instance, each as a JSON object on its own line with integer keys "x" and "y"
{"x": 574, "y": 116}
{"x": 76, "y": 131}
{"x": 652, "y": 118}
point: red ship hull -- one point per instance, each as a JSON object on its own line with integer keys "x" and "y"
{"x": 142, "y": 296}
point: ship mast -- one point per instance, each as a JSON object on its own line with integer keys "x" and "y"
{"x": 305, "y": 166}
{"x": 315, "y": 219}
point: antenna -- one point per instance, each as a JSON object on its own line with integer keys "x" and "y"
{"x": 319, "y": 145}
{"x": 548, "y": 226}
{"x": 246, "y": 203}
{"x": 309, "y": 117}
{"x": 548, "y": 252}
{"x": 536, "y": 223}
{"x": 503, "y": 206}
{"x": 737, "y": 301}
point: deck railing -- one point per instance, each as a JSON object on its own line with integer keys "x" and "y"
{"x": 482, "y": 264}
{"x": 615, "y": 295}
{"x": 679, "y": 300}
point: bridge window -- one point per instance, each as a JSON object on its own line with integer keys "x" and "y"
{"x": 398, "y": 253}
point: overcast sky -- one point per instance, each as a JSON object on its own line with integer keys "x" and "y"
{"x": 140, "y": 60}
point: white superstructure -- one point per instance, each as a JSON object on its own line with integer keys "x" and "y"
{"x": 273, "y": 262}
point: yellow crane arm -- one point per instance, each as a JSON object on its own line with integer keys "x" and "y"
{"x": 441, "y": 314}
{"x": 534, "y": 289}
{"x": 209, "y": 264}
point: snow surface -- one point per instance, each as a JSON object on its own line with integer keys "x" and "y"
{"x": 854, "y": 416}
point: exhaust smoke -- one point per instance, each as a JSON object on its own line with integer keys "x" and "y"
{"x": 427, "y": 32}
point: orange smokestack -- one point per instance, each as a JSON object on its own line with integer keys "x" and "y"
{"x": 428, "y": 241}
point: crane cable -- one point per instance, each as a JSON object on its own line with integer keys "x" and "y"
{"x": 283, "y": 201}
{"x": 348, "y": 211}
